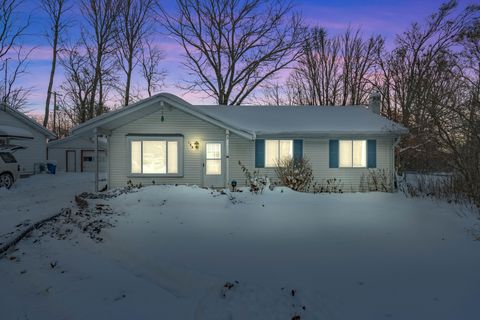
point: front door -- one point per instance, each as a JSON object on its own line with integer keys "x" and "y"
{"x": 214, "y": 165}
{"x": 71, "y": 161}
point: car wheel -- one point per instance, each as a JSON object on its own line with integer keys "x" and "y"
{"x": 6, "y": 180}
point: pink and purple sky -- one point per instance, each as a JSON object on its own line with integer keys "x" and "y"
{"x": 385, "y": 17}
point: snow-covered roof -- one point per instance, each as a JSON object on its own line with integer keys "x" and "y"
{"x": 77, "y": 142}
{"x": 28, "y": 121}
{"x": 253, "y": 121}
{"x": 15, "y": 132}
{"x": 303, "y": 120}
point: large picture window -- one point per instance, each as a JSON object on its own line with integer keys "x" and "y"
{"x": 353, "y": 154}
{"x": 277, "y": 150}
{"x": 156, "y": 156}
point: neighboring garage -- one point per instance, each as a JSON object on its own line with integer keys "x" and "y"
{"x": 18, "y": 129}
{"x": 77, "y": 154}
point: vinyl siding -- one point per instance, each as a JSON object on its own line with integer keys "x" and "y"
{"x": 176, "y": 122}
{"x": 317, "y": 152}
{"x": 241, "y": 149}
{"x": 36, "y": 149}
{"x": 58, "y": 151}
{"x": 60, "y": 156}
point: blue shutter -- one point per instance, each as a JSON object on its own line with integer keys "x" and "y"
{"x": 333, "y": 153}
{"x": 371, "y": 153}
{"x": 259, "y": 153}
{"x": 298, "y": 149}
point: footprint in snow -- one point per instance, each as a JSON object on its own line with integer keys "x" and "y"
{"x": 122, "y": 296}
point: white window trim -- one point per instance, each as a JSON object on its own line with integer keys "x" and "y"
{"x": 278, "y": 152}
{"x": 166, "y": 138}
{"x": 352, "y": 166}
{"x": 217, "y": 159}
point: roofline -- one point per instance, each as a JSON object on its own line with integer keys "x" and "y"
{"x": 101, "y": 117}
{"x": 27, "y": 120}
{"x": 184, "y": 106}
{"x": 329, "y": 134}
{"x": 62, "y": 140}
{"x": 171, "y": 100}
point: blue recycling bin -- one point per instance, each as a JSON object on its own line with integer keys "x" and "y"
{"x": 52, "y": 168}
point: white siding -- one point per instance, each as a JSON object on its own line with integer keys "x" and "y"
{"x": 176, "y": 122}
{"x": 36, "y": 149}
{"x": 241, "y": 149}
{"x": 60, "y": 157}
{"x": 316, "y": 150}
{"x": 57, "y": 152}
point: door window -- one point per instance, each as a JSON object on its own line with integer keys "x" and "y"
{"x": 213, "y": 159}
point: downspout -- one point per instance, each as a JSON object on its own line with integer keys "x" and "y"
{"x": 96, "y": 160}
{"x": 227, "y": 157}
{"x": 107, "y": 159}
{"x": 396, "y": 141}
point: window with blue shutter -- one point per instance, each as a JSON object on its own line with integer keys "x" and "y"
{"x": 259, "y": 153}
{"x": 371, "y": 153}
{"x": 298, "y": 149}
{"x": 333, "y": 153}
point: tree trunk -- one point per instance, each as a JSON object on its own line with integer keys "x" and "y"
{"x": 52, "y": 75}
{"x": 129, "y": 78}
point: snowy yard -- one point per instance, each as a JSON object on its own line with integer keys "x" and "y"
{"x": 189, "y": 253}
{"x": 36, "y": 197}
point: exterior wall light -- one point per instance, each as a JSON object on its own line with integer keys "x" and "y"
{"x": 194, "y": 145}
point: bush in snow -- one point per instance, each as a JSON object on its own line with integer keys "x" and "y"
{"x": 256, "y": 182}
{"x": 297, "y": 174}
{"x": 131, "y": 185}
{"x": 377, "y": 180}
{"x": 449, "y": 187}
{"x": 332, "y": 185}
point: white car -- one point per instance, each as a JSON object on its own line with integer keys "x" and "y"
{"x": 9, "y": 168}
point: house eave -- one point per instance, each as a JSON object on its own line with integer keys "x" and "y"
{"x": 98, "y": 124}
{"x": 329, "y": 134}
{"x": 29, "y": 122}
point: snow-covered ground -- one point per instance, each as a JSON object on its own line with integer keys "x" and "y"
{"x": 187, "y": 253}
{"x": 39, "y": 196}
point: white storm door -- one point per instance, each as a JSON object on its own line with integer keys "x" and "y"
{"x": 214, "y": 165}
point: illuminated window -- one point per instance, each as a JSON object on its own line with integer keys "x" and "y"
{"x": 213, "y": 159}
{"x": 155, "y": 156}
{"x": 277, "y": 150}
{"x": 353, "y": 154}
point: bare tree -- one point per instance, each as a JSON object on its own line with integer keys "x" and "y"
{"x": 10, "y": 28}
{"x": 317, "y": 77}
{"x": 14, "y": 95}
{"x": 55, "y": 10}
{"x": 78, "y": 85}
{"x": 418, "y": 74}
{"x": 419, "y": 48}
{"x": 150, "y": 57}
{"x": 359, "y": 58}
{"x": 455, "y": 112}
{"x": 100, "y": 16}
{"x": 232, "y": 46}
{"x": 274, "y": 94}
{"x": 134, "y": 24}
{"x": 334, "y": 70}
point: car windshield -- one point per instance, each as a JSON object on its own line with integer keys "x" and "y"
{"x": 7, "y": 157}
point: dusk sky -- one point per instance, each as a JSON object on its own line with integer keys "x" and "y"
{"x": 385, "y": 17}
